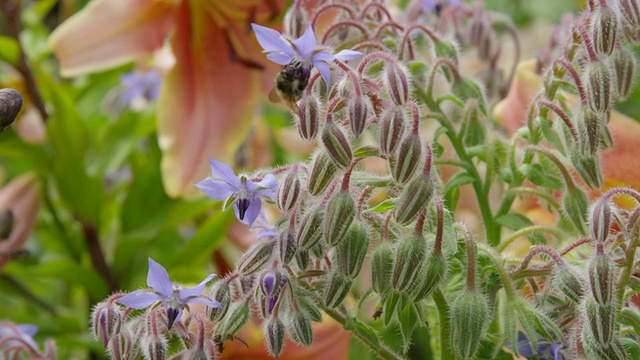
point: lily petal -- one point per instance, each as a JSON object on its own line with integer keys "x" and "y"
{"x": 158, "y": 278}
{"x": 139, "y": 299}
{"x": 127, "y": 30}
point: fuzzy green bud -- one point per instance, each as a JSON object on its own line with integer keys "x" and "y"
{"x": 287, "y": 245}
{"x": 322, "y": 172}
{"x": 613, "y": 351}
{"x": 569, "y": 282}
{"x": 237, "y": 316}
{"x": 358, "y": 114}
{"x": 600, "y": 320}
{"x": 10, "y": 105}
{"x": 220, "y": 292}
{"x": 473, "y": 130}
{"x": 407, "y": 267}
{"x": 397, "y": 79}
{"x": 602, "y": 277}
{"x": 576, "y": 205}
{"x": 300, "y": 329}
{"x": 288, "y": 191}
{"x": 257, "y": 255}
{"x": 6, "y": 223}
{"x": 469, "y": 314}
{"x": 447, "y": 49}
{"x": 624, "y": 67}
{"x": 336, "y": 144}
{"x": 414, "y": 199}
{"x": 274, "y": 335}
{"x": 590, "y": 124}
{"x": 308, "y": 118}
{"x": 604, "y": 29}
{"x": 433, "y": 273}
{"x": 310, "y": 230}
{"x": 381, "y": 267}
{"x": 600, "y": 222}
{"x": 598, "y": 84}
{"x": 408, "y": 158}
{"x": 302, "y": 259}
{"x": 392, "y": 127}
{"x": 351, "y": 252}
{"x": 337, "y": 289}
{"x": 588, "y": 166}
{"x": 341, "y": 210}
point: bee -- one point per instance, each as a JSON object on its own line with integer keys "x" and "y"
{"x": 290, "y": 84}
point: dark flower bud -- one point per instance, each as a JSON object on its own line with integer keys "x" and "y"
{"x": 407, "y": 267}
{"x": 433, "y": 274}
{"x": 600, "y": 222}
{"x": 302, "y": 259}
{"x": 397, "y": 78}
{"x": 469, "y": 314}
{"x": 121, "y": 347}
{"x": 274, "y": 335}
{"x": 106, "y": 320}
{"x": 576, "y": 205}
{"x": 336, "y": 144}
{"x": 341, "y": 209}
{"x": 624, "y": 67}
{"x": 6, "y": 223}
{"x": 602, "y": 277}
{"x": 598, "y": 86}
{"x": 310, "y": 231}
{"x": 604, "y": 29}
{"x": 337, "y": 289}
{"x": 600, "y": 320}
{"x": 269, "y": 281}
{"x": 392, "y": 127}
{"x": 300, "y": 329}
{"x": 288, "y": 192}
{"x": 10, "y": 105}
{"x": 287, "y": 245}
{"x": 257, "y": 255}
{"x": 414, "y": 198}
{"x": 308, "y": 117}
{"x": 569, "y": 282}
{"x": 237, "y": 316}
{"x": 358, "y": 114}
{"x": 155, "y": 349}
{"x": 381, "y": 267}
{"x": 351, "y": 252}
{"x": 322, "y": 172}
{"x": 408, "y": 158}
{"x": 220, "y": 292}
{"x": 588, "y": 166}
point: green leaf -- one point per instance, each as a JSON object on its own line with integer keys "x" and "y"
{"x": 457, "y": 180}
{"x": 366, "y": 151}
{"x": 631, "y": 318}
{"x": 362, "y": 329}
{"x": 408, "y": 320}
{"x": 551, "y": 134}
{"x": 85, "y": 277}
{"x": 9, "y": 50}
{"x": 390, "y": 307}
{"x": 386, "y": 205}
{"x": 631, "y": 347}
{"x": 514, "y": 221}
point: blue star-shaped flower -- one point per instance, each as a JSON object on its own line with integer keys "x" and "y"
{"x": 173, "y": 298}
{"x": 304, "y": 50}
{"x": 429, "y": 6}
{"x": 223, "y": 184}
{"x": 545, "y": 350}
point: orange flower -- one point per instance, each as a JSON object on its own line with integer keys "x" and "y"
{"x": 208, "y": 97}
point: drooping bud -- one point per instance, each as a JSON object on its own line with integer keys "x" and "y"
{"x": 358, "y": 114}
{"x": 295, "y": 21}
{"x": 481, "y": 35}
{"x": 120, "y": 346}
{"x": 237, "y": 316}
{"x": 274, "y": 335}
{"x": 287, "y": 245}
{"x": 269, "y": 281}
{"x": 220, "y": 292}
{"x": 598, "y": 86}
{"x": 588, "y": 166}
{"x": 600, "y": 222}
{"x": 469, "y": 314}
{"x": 408, "y": 263}
{"x": 381, "y": 267}
{"x": 594, "y": 350}
{"x": 630, "y": 13}
{"x": 322, "y": 172}
{"x": 408, "y": 158}
{"x": 604, "y": 30}
{"x": 602, "y": 277}
{"x": 433, "y": 274}
{"x": 310, "y": 231}
{"x": 10, "y": 105}
{"x": 106, "y": 320}
{"x": 289, "y": 190}
{"x": 590, "y": 124}
{"x": 300, "y": 329}
{"x": 351, "y": 252}
{"x": 447, "y": 49}
{"x": 337, "y": 289}
{"x": 569, "y": 282}
{"x": 576, "y": 205}
{"x": 154, "y": 344}
{"x": 600, "y": 320}
{"x": 341, "y": 210}
{"x": 473, "y": 130}
{"x": 308, "y": 117}
{"x": 392, "y": 127}
{"x": 414, "y": 198}
{"x": 302, "y": 259}
{"x": 624, "y": 68}
{"x": 6, "y": 223}
{"x": 397, "y": 78}
{"x": 257, "y": 255}
{"x": 336, "y": 144}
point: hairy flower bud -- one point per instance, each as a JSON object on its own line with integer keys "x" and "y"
{"x": 269, "y": 281}
{"x": 613, "y": 351}
{"x": 308, "y": 117}
{"x": 121, "y": 347}
{"x": 310, "y": 231}
{"x": 433, "y": 274}
{"x": 602, "y": 277}
{"x": 322, "y": 172}
{"x": 469, "y": 314}
{"x": 336, "y": 144}
{"x": 220, "y": 292}
{"x": 600, "y": 319}
{"x": 590, "y": 125}
{"x": 287, "y": 245}
{"x": 407, "y": 267}
{"x": 257, "y": 255}
{"x": 302, "y": 259}
{"x": 337, "y": 289}
{"x": 351, "y": 252}
{"x": 392, "y": 127}
{"x": 106, "y": 320}
{"x": 341, "y": 209}
{"x": 447, "y": 49}
{"x": 600, "y": 222}
{"x": 295, "y": 21}
{"x": 300, "y": 328}
{"x": 358, "y": 114}
{"x": 237, "y": 316}
{"x": 604, "y": 30}
{"x": 569, "y": 282}
{"x": 414, "y": 198}
{"x": 408, "y": 158}
{"x": 274, "y": 335}
{"x": 598, "y": 86}
{"x": 473, "y": 130}
{"x": 588, "y": 166}
{"x": 576, "y": 205}
{"x": 10, "y": 105}
{"x": 288, "y": 192}
{"x": 397, "y": 78}
{"x": 6, "y": 223}
{"x": 624, "y": 68}
{"x": 381, "y": 267}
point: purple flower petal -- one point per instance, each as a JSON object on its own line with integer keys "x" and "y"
{"x": 346, "y": 55}
{"x": 224, "y": 172}
{"x": 271, "y": 40}
{"x": 280, "y": 58}
{"x": 205, "y": 301}
{"x": 252, "y": 212}
{"x": 324, "y": 70}
{"x": 27, "y": 329}
{"x": 158, "y": 278}
{"x": 215, "y": 189}
{"x": 139, "y": 299}
{"x": 306, "y": 43}
{"x": 186, "y": 293}
{"x": 267, "y": 187}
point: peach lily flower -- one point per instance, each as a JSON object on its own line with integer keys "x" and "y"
{"x": 207, "y": 99}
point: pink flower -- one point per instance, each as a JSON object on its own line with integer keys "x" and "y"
{"x": 207, "y": 99}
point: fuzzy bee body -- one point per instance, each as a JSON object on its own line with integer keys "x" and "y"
{"x": 290, "y": 84}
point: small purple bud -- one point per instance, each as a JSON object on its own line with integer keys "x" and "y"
{"x": 268, "y": 282}
{"x": 308, "y": 117}
{"x": 336, "y": 144}
{"x": 154, "y": 344}
{"x": 10, "y": 105}
{"x": 604, "y": 30}
{"x": 288, "y": 192}
{"x": 322, "y": 173}
{"x": 341, "y": 210}
{"x": 392, "y": 127}
{"x": 358, "y": 113}
{"x": 397, "y": 78}
{"x": 589, "y": 124}
{"x": 106, "y": 319}
{"x": 257, "y": 255}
